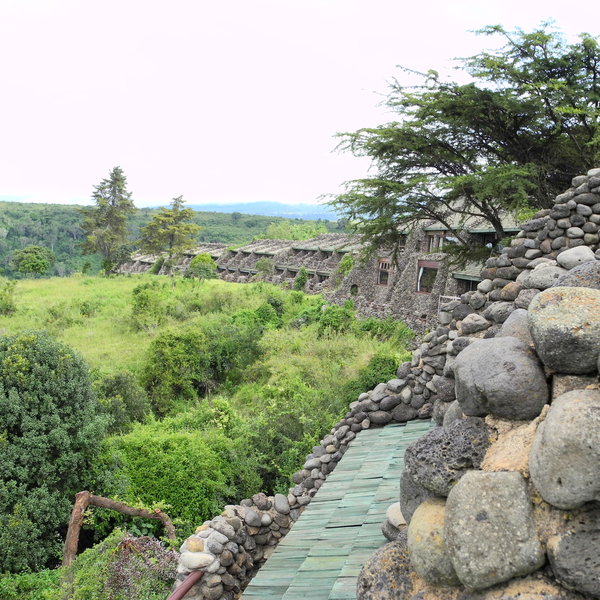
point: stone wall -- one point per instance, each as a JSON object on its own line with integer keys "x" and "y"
{"x": 501, "y": 497}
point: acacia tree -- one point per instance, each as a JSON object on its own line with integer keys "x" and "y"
{"x": 170, "y": 230}
{"x": 512, "y": 138}
{"x": 105, "y": 225}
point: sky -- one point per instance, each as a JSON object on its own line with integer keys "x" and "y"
{"x": 221, "y": 100}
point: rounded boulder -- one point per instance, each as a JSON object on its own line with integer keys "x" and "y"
{"x": 564, "y": 462}
{"x": 500, "y": 376}
{"x": 565, "y": 326}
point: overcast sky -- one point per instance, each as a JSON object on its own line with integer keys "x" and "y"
{"x": 221, "y": 100}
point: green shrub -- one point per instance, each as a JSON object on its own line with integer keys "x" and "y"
{"x": 201, "y": 267}
{"x": 381, "y": 367}
{"x": 62, "y": 315}
{"x": 387, "y": 329}
{"x": 149, "y": 308}
{"x": 121, "y": 567}
{"x": 301, "y": 279}
{"x": 43, "y": 585}
{"x": 124, "y": 399}
{"x": 267, "y": 315}
{"x": 51, "y": 432}
{"x": 88, "y": 308}
{"x": 178, "y": 366}
{"x": 336, "y": 319}
{"x": 192, "y": 472}
{"x": 7, "y": 300}
{"x": 157, "y": 266}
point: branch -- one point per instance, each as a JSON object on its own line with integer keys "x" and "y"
{"x": 85, "y": 499}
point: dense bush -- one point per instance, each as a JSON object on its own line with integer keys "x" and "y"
{"x": 124, "y": 399}
{"x": 43, "y": 585}
{"x": 192, "y": 463}
{"x": 188, "y": 362}
{"x": 178, "y": 366}
{"x": 382, "y": 367}
{"x": 336, "y": 319}
{"x": 122, "y": 567}
{"x": 301, "y": 279}
{"x": 148, "y": 306}
{"x": 51, "y": 431}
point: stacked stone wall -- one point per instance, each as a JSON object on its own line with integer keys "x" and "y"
{"x": 502, "y": 497}
{"x": 491, "y": 376}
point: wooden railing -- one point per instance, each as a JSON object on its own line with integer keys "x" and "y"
{"x": 187, "y": 584}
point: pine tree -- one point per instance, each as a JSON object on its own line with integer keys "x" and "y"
{"x": 105, "y": 225}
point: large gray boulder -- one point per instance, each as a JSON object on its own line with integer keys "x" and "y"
{"x": 564, "y": 462}
{"x": 575, "y": 256}
{"x": 438, "y": 459}
{"x": 517, "y": 326}
{"x": 489, "y": 529}
{"x": 584, "y": 275}
{"x": 542, "y": 277}
{"x": 500, "y": 376}
{"x": 565, "y": 326}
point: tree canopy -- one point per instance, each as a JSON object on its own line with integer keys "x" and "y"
{"x": 51, "y": 430}
{"x": 33, "y": 260}
{"x": 105, "y": 225}
{"x": 170, "y": 230}
{"x": 511, "y": 138}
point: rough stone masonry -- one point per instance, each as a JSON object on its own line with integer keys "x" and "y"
{"x": 502, "y": 497}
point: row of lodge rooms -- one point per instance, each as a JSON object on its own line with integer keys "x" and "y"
{"x": 411, "y": 289}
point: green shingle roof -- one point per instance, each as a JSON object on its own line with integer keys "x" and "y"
{"x": 321, "y": 556}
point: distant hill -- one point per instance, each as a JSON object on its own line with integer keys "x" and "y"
{"x": 58, "y": 228}
{"x": 273, "y": 209}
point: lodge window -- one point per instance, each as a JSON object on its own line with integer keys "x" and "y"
{"x": 438, "y": 239}
{"x": 322, "y": 278}
{"x": 354, "y": 290}
{"x": 426, "y": 274}
{"x": 466, "y": 285}
{"x": 383, "y": 271}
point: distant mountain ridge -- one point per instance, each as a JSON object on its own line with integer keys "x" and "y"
{"x": 272, "y": 209}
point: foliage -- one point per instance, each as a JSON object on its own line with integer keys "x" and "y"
{"x": 33, "y": 260}
{"x": 195, "y": 462}
{"x": 301, "y": 279}
{"x": 202, "y": 266}
{"x": 170, "y": 230}
{"x": 43, "y": 585}
{"x": 148, "y": 305}
{"x": 388, "y": 329}
{"x": 336, "y": 319}
{"x": 51, "y": 432}
{"x": 513, "y": 137}
{"x": 187, "y": 363}
{"x": 105, "y": 225}
{"x": 120, "y": 568}
{"x": 265, "y": 267}
{"x": 345, "y": 265}
{"x": 382, "y": 367}
{"x": 288, "y": 230}
{"x": 124, "y": 399}
{"x": 7, "y": 300}
{"x": 178, "y": 366}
